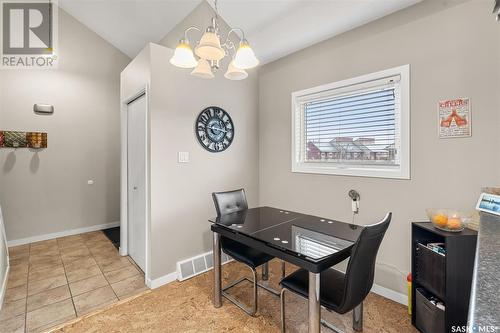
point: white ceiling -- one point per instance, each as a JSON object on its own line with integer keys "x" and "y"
{"x": 129, "y": 24}
{"x": 274, "y": 28}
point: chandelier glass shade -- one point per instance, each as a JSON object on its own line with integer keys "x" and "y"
{"x": 209, "y": 47}
{"x": 203, "y": 70}
{"x": 235, "y": 73}
{"x": 183, "y": 56}
{"x": 245, "y": 57}
{"x": 210, "y": 51}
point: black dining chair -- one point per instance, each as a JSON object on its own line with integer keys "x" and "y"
{"x": 342, "y": 292}
{"x": 232, "y": 202}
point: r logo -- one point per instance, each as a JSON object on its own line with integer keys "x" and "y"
{"x": 27, "y": 28}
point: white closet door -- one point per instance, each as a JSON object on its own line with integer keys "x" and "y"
{"x": 136, "y": 155}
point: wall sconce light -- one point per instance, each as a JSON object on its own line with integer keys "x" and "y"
{"x": 43, "y": 108}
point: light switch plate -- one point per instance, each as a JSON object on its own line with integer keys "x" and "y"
{"x": 183, "y": 157}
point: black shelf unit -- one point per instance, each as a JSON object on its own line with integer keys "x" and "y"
{"x": 449, "y": 277}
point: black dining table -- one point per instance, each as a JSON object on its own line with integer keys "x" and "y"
{"x": 310, "y": 242}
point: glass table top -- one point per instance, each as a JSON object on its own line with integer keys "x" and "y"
{"x": 306, "y": 235}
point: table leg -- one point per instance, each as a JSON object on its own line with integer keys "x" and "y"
{"x": 265, "y": 271}
{"x": 314, "y": 303}
{"x": 217, "y": 271}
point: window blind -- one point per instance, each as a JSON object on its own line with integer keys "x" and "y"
{"x": 357, "y": 127}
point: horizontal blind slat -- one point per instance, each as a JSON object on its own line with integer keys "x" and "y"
{"x": 347, "y": 115}
{"x": 388, "y": 92}
{"x": 371, "y": 123}
{"x": 347, "y": 108}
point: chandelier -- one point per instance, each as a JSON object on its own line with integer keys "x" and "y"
{"x": 209, "y": 51}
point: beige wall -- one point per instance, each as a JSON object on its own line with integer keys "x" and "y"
{"x": 181, "y": 193}
{"x": 46, "y": 191}
{"x": 453, "y": 52}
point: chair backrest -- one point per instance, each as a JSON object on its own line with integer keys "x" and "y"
{"x": 361, "y": 267}
{"x": 230, "y": 202}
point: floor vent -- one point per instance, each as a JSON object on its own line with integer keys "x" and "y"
{"x": 196, "y": 265}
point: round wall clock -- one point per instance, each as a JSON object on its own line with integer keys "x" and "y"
{"x": 214, "y": 129}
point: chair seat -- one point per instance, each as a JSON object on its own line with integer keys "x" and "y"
{"x": 245, "y": 254}
{"x": 331, "y": 286}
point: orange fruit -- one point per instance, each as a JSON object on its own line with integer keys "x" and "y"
{"x": 454, "y": 223}
{"x": 440, "y": 220}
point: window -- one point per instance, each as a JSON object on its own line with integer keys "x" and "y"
{"x": 356, "y": 127}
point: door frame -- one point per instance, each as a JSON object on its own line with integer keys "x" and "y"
{"x": 144, "y": 91}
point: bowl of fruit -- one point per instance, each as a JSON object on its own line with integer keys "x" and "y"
{"x": 448, "y": 219}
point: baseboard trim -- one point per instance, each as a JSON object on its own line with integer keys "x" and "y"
{"x": 165, "y": 279}
{"x": 4, "y": 285}
{"x": 33, "y": 239}
{"x": 390, "y": 294}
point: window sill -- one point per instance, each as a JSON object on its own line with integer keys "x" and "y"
{"x": 368, "y": 171}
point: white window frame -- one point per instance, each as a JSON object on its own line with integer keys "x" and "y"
{"x": 401, "y": 171}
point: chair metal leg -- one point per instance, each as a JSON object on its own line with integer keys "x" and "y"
{"x": 255, "y": 292}
{"x": 330, "y": 326}
{"x": 357, "y": 318}
{"x": 253, "y": 310}
{"x": 255, "y": 284}
{"x": 282, "y": 303}
{"x": 357, "y": 315}
{"x": 265, "y": 271}
{"x": 314, "y": 305}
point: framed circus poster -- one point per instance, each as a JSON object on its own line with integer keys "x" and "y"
{"x": 454, "y": 118}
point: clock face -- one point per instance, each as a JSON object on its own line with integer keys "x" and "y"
{"x": 214, "y": 129}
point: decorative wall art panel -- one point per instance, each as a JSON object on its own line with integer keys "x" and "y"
{"x": 36, "y": 139}
{"x": 17, "y": 139}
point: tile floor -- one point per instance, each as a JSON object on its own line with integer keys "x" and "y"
{"x": 57, "y": 280}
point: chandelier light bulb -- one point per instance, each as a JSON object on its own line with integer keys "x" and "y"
{"x": 183, "y": 56}
{"x": 245, "y": 57}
